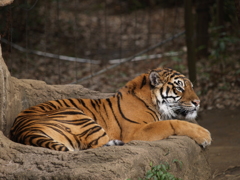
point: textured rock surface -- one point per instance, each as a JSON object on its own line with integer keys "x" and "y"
{"x": 129, "y": 161}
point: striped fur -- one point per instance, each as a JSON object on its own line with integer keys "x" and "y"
{"x": 135, "y": 112}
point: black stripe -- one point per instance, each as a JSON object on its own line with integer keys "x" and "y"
{"x": 88, "y": 124}
{"x": 98, "y": 102}
{"x": 75, "y": 121}
{"x": 144, "y": 81}
{"x": 78, "y": 141}
{"x": 49, "y": 107}
{"x": 62, "y": 133}
{"x": 120, "y": 110}
{"x": 63, "y": 148}
{"x": 29, "y": 111}
{"x": 65, "y": 103}
{"x": 164, "y": 73}
{"x": 42, "y": 107}
{"x": 54, "y": 117}
{"x": 94, "y": 130}
{"x": 52, "y": 105}
{"x": 34, "y": 136}
{"x": 47, "y": 145}
{"x": 161, "y": 91}
{"x": 96, "y": 140}
{"x": 41, "y": 141}
{"x": 119, "y": 94}
{"x": 175, "y": 91}
{"x": 104, "y": 107}
{"x": 97, "y": 128}
{"x": 158, "y": 70}
{"x": 100, "y": 112}
{"x": 67, "y": 112}
{"x": 81, "y": 102}
{"x": 54, "y": 146}
{"x": 106, "y": 113}
{"x": 174, "y": 74}
{"x": 19, "y": 120}
{"x": 156, "y": 119}
{"x": 167, "y": 91}
{"x": 73, "y": 103}
{"x": 167, "y": 97}
{"x": 175, "y": 83}
{"x": 92, "y": 103}
{"x": 84, "y": 105}
{"x": 22, "y": 127}
{"x": 31, "y": 139}
{"x": 110, "y": 105}
{"x": 59, "y": 102}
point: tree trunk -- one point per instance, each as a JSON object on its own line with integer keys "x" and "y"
{"x": 237, "y": 5}
{"x": 220, "y": 14}
{"x": 188, "y": 16}
{"x": 202, "y": 36}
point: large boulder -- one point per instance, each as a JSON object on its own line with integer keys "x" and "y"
{"x": 132, "y": 160}
{"x": 186, "y": 159}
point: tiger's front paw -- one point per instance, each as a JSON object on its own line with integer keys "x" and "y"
{"x": 202, "y": 137}
{"x": 199, "y": 134}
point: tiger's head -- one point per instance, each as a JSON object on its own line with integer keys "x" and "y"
{"x": 173, "y": 95}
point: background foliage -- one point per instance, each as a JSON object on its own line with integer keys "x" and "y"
{"x": 115, "y": 29}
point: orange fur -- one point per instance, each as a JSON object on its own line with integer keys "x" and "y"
{"x": 142, "y": 110}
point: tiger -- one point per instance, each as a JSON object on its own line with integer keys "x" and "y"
{"x": 152, "y": 106}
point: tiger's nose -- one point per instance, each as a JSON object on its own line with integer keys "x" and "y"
{"x": 196, "y": 102}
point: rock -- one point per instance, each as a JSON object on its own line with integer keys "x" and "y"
{"x": 132, "y": 160}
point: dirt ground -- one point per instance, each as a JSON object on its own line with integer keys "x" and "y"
{"x": 224, "y": 152}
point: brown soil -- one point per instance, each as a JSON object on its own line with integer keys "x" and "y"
{"x": 224, "y": 152}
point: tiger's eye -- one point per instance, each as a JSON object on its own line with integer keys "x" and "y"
{"x": 179, "y": 89}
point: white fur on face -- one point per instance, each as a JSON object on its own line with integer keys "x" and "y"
{"x": 171, "y": 108}
{"x": 191, "y": 115}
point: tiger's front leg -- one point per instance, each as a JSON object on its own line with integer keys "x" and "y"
{"x": 163, "y": 129}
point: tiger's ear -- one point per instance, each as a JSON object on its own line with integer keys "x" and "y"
{"x": 154, "y": 78}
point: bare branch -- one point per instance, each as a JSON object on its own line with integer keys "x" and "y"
{"x": 130, "y": 58}
{"x": 50, "y": 55}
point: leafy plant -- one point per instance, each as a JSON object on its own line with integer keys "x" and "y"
{"x": 179, "y": 66}
{"x": 220, "y": 44}
{"x": 221, "y": 53}
{"x": 160, "y": 172}
{"x": 178, "y": 162}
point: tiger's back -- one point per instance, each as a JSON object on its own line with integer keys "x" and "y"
{"x": 138, "y": 108}
{"x": 63, "y": 125}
